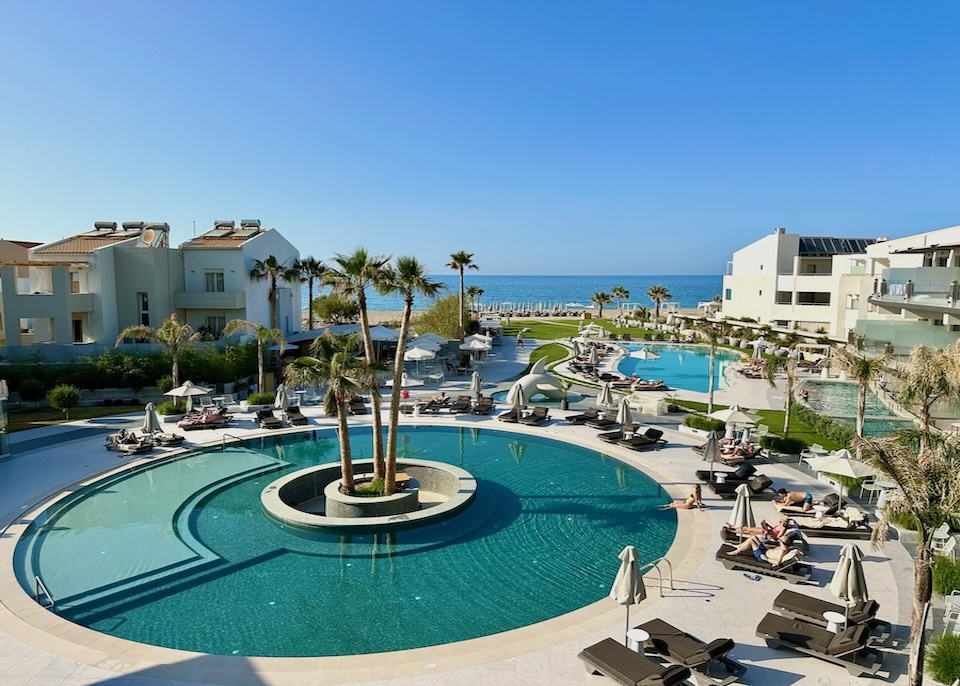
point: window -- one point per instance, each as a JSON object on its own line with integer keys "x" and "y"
{"x": 74, "y": 282}
{"x": 784, "y": 298}
{"x": 728, "y": 294}
{"x": 215, "y": 325}
{"x": 144, "y": 308}
{"x": 813, "y": 298}
{"x": 214, "y": 281}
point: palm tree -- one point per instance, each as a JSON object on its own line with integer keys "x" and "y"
{"x": 262, "y": 335}
{"x": 712, "y": 332}
{"x": 929, "y": 375}
{"x": 474, "y": 293}
{"x": 863, "y": 370}
{"x": 621, "y": 294}
{"x": 658, "y": 294}
{"x": 272, "y": 270}
{"x": 408, "y": 279}
{"x": 172, "y": 335}
{"x": 332, "y": 362}
{"x": 926, "y": 467}
{"x": 351, "y": 276}
{"x": 775, "y": 365}
{"x": 600, "y": 299}
{"x": 458, "y": 262}
{"x": 311, "y": 271}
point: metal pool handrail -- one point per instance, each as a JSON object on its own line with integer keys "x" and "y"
{"x": 39, "y": 586}
{"x": 656, "y": 565}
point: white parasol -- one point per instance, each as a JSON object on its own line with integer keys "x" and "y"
{"x": 188, "y": 390}
{"x": 628, "y": 588}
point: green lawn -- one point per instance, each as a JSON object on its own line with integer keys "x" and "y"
{"x": 28, "y": 418}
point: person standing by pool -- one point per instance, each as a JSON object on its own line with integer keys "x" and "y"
{"x": 520, "y": 339}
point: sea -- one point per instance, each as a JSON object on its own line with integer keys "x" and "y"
{"x": 572, "y": 292}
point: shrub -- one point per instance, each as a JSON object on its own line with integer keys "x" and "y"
{"x": 370, "y": 489}
{"x": 169, "y": 407}
{"x": 904, "y": 520}
{"x": 263, "y": 398}
{"x": 64, "y": 397}
{"x": 943, "y": 658}
{"x": 32, "y": 390}
{"x": 788, "y": 446}
{"x": 946, "y": 575}
{"x": 698, "y": 421}
{"x": 165, "y": 383}
{"x": 836, "y": 431}
{"x": 443, "y": 318}
{"x": 335, "y": 309}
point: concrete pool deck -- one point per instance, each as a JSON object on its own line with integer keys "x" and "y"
{"x": 40, "y": 649}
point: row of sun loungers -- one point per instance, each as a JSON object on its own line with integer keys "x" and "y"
{"x": 536, "y": 416}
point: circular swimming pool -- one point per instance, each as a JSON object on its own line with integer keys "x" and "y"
{"x": 179, "y": 553}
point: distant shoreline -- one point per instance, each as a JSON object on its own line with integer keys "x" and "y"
{"x": 388, "y": 316}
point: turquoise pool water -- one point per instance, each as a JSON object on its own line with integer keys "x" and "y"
{"x": 838, "y": 399}
{"x": 679, "y": 366}
{"x": 180, "y": 554}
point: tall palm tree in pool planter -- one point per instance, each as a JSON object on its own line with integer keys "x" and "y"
{"x": 458, "y": 262}
{"x": 273, "y": 270}
{"x": 926, "y": 467}
{"x": 262, "y": 335}
{"x": 408, "y": 279}
{"x": 332, "y": 362}
{"x": 863, "y": 370}
{"x": 600, "y": 299}
{"x": 172, "y": 335}
{"x": 658, "y": 294}
{"x": 352, "y": 275}
{"x": 621, "y": 294}
{"x": 312, "y": 271}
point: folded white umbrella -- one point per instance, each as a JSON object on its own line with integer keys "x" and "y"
{"x": 151, "y": 422}
{"x": 849, "y": 582}
{"x": 605, "y": 397}
{"x": 624, "y": 417}
{"x": 628, "y": 588}
{"x": 742, "y": 515}
{"x": 476, "y": 384}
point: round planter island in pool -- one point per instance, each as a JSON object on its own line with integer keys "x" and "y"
{"x": 311, "y": 499}
{"x": 180, "y": 552}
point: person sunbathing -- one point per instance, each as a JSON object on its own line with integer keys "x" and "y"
{"x": 802, "y": 499}
{"x": 785, "y": 529}
{"x": 694, "y": 500}
{"x": 776, "y": 557}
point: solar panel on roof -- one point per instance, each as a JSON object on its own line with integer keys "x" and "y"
{"x": 245, "y": 233}
{"x": 218, "y": 233}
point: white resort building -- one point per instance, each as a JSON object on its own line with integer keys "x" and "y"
{"x": 85, "y": 289}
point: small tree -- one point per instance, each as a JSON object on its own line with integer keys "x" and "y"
{"x": 336, "y": 309}
{"x": 64, "y": 397}
{"x": 32, "y": 390}
{"x": 442, "y": 319}
{"x": 621, "y": 294}
{"x": 600, "y": 299}
{"x": 658, "y": 294}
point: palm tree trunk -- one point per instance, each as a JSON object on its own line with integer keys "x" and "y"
{"x": 274, "y": 314}
{"x": 375, "y": 400}
{"x": 789, "y": 405}
{"x": 346, "y": 459}
{"x": 461, "y": 304}
{"x": 310, "y": 303}
{"x": 175, "y": 370}
{"x": 260, "y": 370}
{"x": 713, "y": 366}
{"x": 861, "y": 407}
{"x": 922, "y": 592}
{"x": 390, "y": 472}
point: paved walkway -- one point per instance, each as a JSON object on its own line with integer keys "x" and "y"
{"x": 37, "y": 648}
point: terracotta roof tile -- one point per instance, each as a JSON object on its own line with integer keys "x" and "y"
{"x": 79, "y": 245}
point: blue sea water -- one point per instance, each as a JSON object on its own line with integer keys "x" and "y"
{"x": 687, "y": 291}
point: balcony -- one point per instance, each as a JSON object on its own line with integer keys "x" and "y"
{"x": 215, "y": 300}
{"x": 80, "y": 302}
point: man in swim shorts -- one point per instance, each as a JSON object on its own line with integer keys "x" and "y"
{"x": 801, "y": 499}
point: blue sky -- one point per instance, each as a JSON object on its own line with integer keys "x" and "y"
{"x": 544, "y": 137}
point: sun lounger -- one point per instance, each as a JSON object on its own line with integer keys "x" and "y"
{"x": 267, "y": 420}
{"x": 708, "y": 660}
{"x": 830, "y": 501}
{"x": 615, "y": 436}
{"x": 206, "y": 419}
{"x": 295, "y": 416}
{"x": 484, "y": 406}
{"x": 793, "y": 605}
{"x": 793, "y": 571}
{"x": 461, "y": 406}
{"x": 757, "y": 485}
{"x": 851, "y": 523}
{"x": 129, "y": 443}
{"x": 583, "y": 417}
{"x": 538, "y": 416}
{"x": 511, "y": 416}
{"x": 165, "y": 440}
{"x": 651, "y": 438}
{"x": 357, "y": 406}
{"x": 615, "y": 661}
{"x": 598, "y": 423}
{"x": 847, "y": 648}
{"x": 793, "y": 538}
{"x": 739, "y": 475}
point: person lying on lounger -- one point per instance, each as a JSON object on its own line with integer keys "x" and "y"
{"x": 694, "y": 500}
{"x": 777, "y": 557}
{"x": 801, "y": 499}
{"x": 784, "y": 530}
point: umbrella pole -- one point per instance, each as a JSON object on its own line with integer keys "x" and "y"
{"x": 625, "y": 641}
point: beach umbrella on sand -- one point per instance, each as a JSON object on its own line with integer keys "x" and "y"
{"x": 711, "y": 452}
{"x": 605, "y": 396}
{"x": 841, "y": 463}
{"x": 476, "y": 384}
{"x": 628, "y": 588}
{"x": 742, "y": 514}
{"x": 849, "y": 582}
{"x": 188, "y": 390}
{"x": 151, "y": 422}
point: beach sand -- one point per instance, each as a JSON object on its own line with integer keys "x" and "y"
{"x": 393, "y": 316}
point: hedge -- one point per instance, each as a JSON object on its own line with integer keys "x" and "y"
{"x": 698, "y": 421}
{"x": 788, "y": 446}
{"x": 825, "y": 426}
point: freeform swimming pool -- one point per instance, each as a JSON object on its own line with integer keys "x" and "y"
{"x": 679, "y": 366}
{"x": 179, "y": 553}
{"x": 838, "y": 399}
